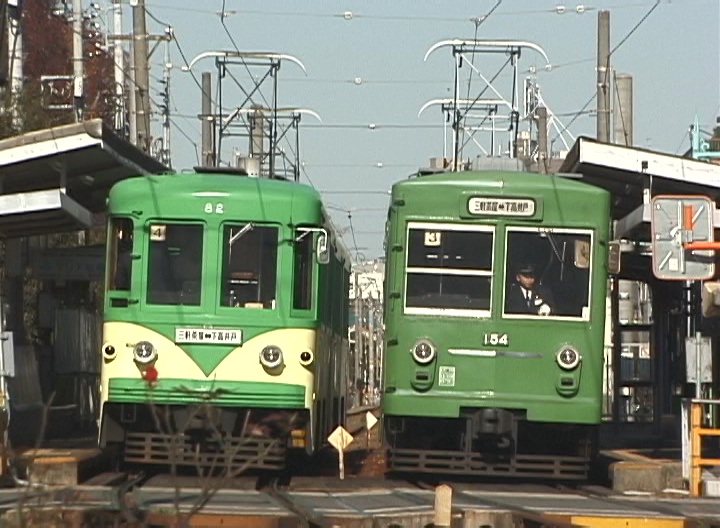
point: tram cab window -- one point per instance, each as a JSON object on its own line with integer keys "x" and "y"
{"x": 547, "y": 272}
{"x": 249, "y": 272}
{"x": 449, "y": 269}
{"x": 303, "y": 269}
{"x": 120, "y": 257}
{"x": 175, "y": 264}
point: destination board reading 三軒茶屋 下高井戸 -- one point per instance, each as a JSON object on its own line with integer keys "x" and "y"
{"x": 208, "y": 335}
{"x": 493, "y": 206}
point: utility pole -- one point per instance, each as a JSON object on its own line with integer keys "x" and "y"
{"x": 78, "y": 61}
{"x": 208, "y": 150}
{"x": 15, "y": 55}
{"x": 131, "y": 101}
{"x": 623, "y": 111}
{"x": 372, "y": 348}
{"x": 359, "y": 329}
{"x": 165, "y": 154}
{"x": 542, "y": 140}
{"x": 119, "y": 71}
{"x": 141, "y": 76}
{"x": 257, "y": 134}
{"x": 603, "y": 77}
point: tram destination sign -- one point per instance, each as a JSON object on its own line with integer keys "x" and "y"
{"x": 229, "y": 336}
{"x": 498, "y": 206}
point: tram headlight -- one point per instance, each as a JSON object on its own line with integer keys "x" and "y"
{"x": 271, "y": 357}
{"x": 423, "y": 351}
{"x": 568, "y": 357}
{"x": 109, "y": 352}
{"x": 144, "y": 352}
{"x": 306, "y": 358}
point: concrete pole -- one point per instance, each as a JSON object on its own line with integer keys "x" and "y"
{"x": 372, "y": 349}
{"x": 208, "y": 150}
{"x": 15, "y": 56}
{"x": 166, "y": 156}
{"x": 359, "y": 328}
{"x": 119, "y": 70}
{"x": 542, "y": 140}
{"x": 78, "y": 61}
{"x": 257, "y": 134}
{"x": 623, "y": 111}
{"x": 142, "y": 76}
{"x": 603, "y": 77}
{"x": 132, "y": 107}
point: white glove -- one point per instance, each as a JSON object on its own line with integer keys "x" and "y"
{"x": 544, "y": 310}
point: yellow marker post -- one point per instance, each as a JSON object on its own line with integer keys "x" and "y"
{"x": 340, "y": 439}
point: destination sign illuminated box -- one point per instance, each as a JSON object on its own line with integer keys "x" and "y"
{"x": 496, "y": 206}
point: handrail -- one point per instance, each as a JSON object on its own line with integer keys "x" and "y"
{"x": 697, "y": 432}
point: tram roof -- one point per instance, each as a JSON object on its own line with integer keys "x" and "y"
{"x": 187, "y": 183}
{"x": 627, "y": 171}
{"x": 512, "y": 180}
{"x": 56, "y": 179}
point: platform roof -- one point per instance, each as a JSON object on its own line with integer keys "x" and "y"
{"x": 56, "y": 179}
{"x": 628, "y": 171}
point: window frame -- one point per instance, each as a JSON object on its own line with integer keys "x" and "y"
{"x": 448, "y": 226}
{"x": 234, "y": 223}
{"x": 554, "y": 230}
{"x": 114, "y": 254}
{"x": 311, "y": 275}
{"x": 148, "y": 240}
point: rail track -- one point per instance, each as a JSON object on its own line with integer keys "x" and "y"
{"x": 132, "y": 500}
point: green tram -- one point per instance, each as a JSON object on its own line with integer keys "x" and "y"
{"x": 225, "y": 321}
{"x": 478, "y": 378}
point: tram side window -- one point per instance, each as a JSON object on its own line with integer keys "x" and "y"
{"x": 175, "y": 264}
{"x": 548, "y": 272}
{"x": 448, "y": 268}
{"x": 249, "y": 273}
{"x": 120, "y": 257}
{"x": 303, "y": 270}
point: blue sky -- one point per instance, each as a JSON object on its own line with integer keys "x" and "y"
{"x": 673, "y": 57}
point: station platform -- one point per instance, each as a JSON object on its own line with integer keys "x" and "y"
{"x": 62, "y": 465}
{"x": 651, "y": 471}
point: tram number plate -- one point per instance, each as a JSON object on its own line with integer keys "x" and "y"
{"x": 493, "y": 338}
{"x": 223, "y": 336}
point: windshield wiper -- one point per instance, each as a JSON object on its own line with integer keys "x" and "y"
{"x": 234, "y": 238}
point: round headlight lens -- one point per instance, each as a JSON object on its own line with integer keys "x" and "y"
{"x": 271, "y": 356}
{"x": 144, "y": 352}
{"x": 423, "y": 352}
{"x": 568, "y": 358}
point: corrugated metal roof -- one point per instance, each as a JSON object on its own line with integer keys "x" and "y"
{"x": 54, "y": 179}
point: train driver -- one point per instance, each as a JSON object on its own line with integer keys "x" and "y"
{"x": 526, "y": 295}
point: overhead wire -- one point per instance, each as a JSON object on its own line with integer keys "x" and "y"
{"x": 222, "y": 21}
{"x": 173, "y": 37}
{"x": 352, "y": 232}
{"x": 153, "y": 101}
{"x": 478, "y": 22}
{"x": 256, "y": 83}
{"x": 607, "y": 69}
{"x": 557, "y": 10}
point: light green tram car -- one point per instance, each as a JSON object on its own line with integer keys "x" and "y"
{"x": 494, "y": 324}
{"x": 225, "y": 324}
